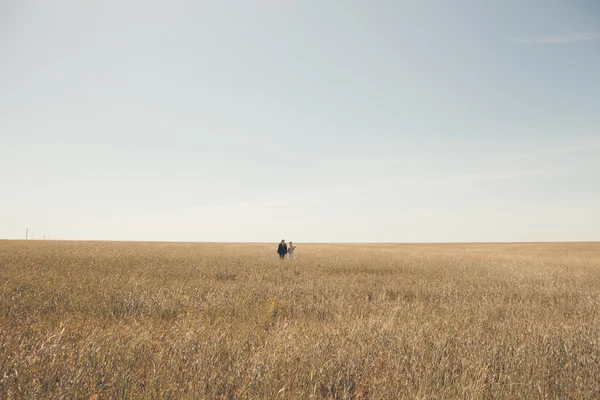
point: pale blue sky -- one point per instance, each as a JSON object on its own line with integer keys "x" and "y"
{"x": 304, "y": 120}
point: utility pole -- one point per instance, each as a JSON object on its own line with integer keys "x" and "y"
{"x": 27, "y": 234}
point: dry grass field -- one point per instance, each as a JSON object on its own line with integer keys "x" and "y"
{"x": 175, "y": 320}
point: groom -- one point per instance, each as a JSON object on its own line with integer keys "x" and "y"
{"x": 282, "y": 249}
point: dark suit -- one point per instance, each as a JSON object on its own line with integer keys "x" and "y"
{"x": 282, "y": 250}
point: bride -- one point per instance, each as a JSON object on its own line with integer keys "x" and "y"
{"x": 291, "y": 248}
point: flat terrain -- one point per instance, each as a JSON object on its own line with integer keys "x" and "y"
{"x": 177, "y": 320}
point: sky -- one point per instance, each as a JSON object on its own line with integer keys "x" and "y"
{"x": 311, "y": 121}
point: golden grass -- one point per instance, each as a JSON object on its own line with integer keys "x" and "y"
{"x": 174, "y": 320}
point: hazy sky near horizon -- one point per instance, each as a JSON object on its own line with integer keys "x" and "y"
{"x": 304, "y": 120}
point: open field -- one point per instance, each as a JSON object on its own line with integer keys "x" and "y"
{"x": 168, "y": 320}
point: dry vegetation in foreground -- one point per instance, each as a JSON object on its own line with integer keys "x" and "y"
{"x": 167, "y": 320}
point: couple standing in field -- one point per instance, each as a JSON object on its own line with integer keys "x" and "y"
{"x": 284, "y": 249}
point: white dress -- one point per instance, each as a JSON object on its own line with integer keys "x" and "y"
{"x": 291, "y": 252}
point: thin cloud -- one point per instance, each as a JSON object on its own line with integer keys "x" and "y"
{"x": 560, "y": 39}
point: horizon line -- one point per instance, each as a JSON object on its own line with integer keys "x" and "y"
{"x": 316, "y": 243}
